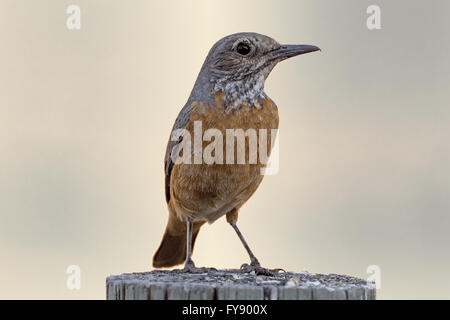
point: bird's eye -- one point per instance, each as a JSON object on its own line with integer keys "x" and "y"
{"x": 243, "y": 48}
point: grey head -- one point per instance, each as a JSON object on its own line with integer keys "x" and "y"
{"x": 238, "y": 65}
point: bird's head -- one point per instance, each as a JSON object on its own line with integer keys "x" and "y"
{"x": 239, "y": 63}
{"x": 243, "y": 55}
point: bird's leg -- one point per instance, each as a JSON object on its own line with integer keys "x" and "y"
{"x": 189, "y": 264}
{"x": 253, "y": 260}
{"x": 254, "y": 263}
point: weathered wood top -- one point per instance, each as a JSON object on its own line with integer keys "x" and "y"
{"x": 234, "y": 284}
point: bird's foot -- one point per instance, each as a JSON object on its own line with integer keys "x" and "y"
{"x": 189, "y": 267}
{"x": 260, "y": 271}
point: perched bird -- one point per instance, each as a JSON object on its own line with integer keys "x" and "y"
{"x": 228, "y": 94}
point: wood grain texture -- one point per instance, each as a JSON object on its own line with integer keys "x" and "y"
{"x": 236, "y": 285}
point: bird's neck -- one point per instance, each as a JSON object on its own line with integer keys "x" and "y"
{"x": 236, "y": 93}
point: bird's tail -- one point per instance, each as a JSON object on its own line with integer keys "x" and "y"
{"x": 172, "y": 250}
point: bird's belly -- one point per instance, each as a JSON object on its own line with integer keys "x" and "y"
{"x": 208, "y": 191}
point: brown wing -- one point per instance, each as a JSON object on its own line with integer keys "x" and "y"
{"x": 180, "y": 123}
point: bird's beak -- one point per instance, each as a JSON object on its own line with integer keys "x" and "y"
{"x": 292, "y": 50}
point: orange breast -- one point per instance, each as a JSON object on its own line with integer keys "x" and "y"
{"x": 208, "y": 191}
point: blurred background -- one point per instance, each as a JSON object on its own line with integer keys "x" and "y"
{"x": 85, "y": 116}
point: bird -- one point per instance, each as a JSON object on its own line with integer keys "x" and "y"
{"x": 228, "y": 94}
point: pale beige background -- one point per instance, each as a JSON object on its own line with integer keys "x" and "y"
{"x": 364, "y": 156}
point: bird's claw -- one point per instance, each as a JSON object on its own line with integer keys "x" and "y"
{"x": 189, "y": 267}
{"x": 260, "y": 271}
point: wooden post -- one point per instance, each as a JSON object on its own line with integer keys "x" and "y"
{"x": 236, "y": 285}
